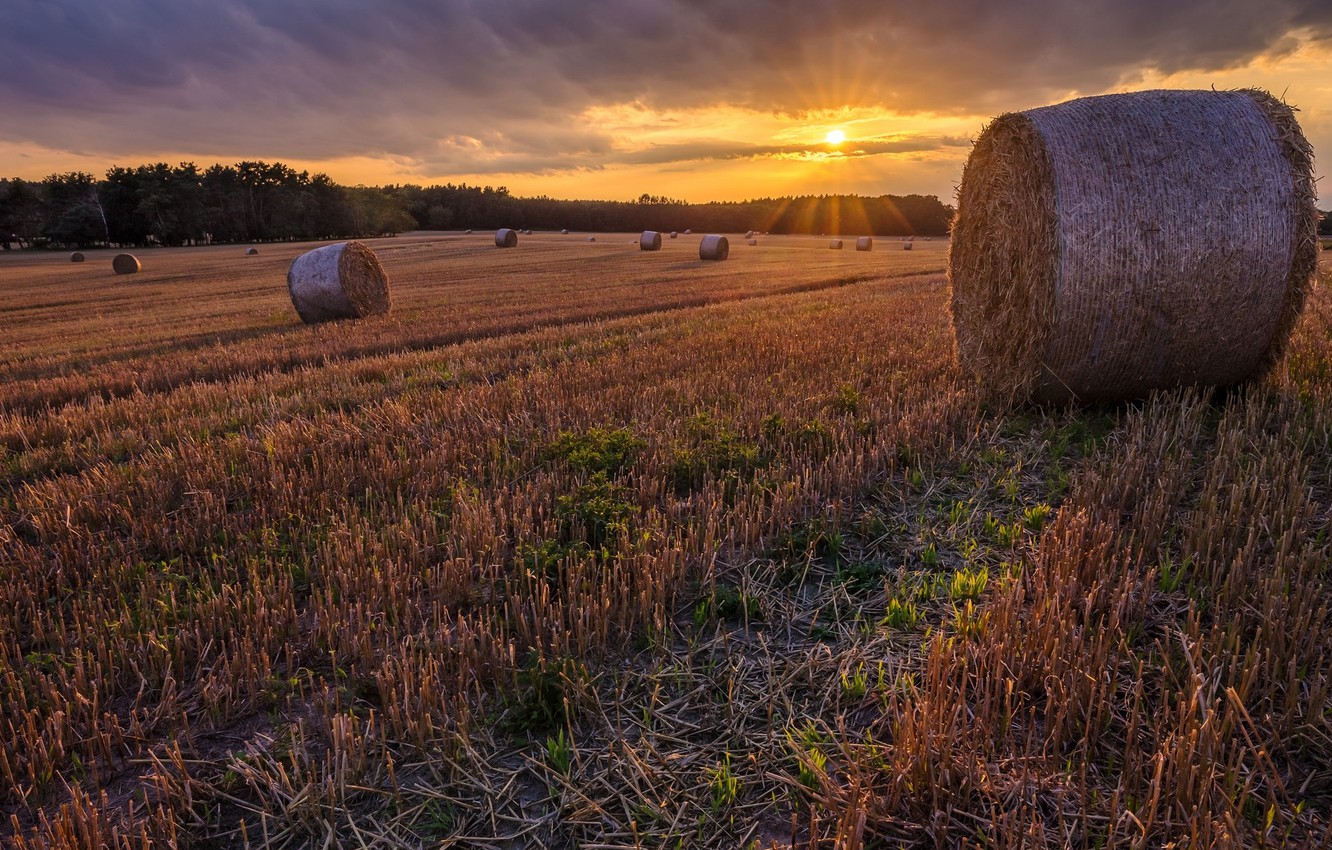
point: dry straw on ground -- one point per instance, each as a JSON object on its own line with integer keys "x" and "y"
{"x": 126, "y": 264}
{"x": 76, "y": 257}
{"x": 714, "y": 247}
{"x": 864, "y": 243}
{"x": 506, "y": 237}
{"x": 340, "y": 281}
{"x": 1113, "y": 245}
{"x": 649, "y": 241}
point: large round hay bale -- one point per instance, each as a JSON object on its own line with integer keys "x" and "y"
{"x": 752, "y": 242}
{"x": 835, "y": 244}
{"x": 906, "y": 246}
{"x": 1113, "y": 245}
{"x": 649, "y": 241}
{"x": 506, "y": 237}
{"x": 125, "y": 264}
{"x": 251, "y": 252}
{"x": 674, "y": 234}
{"x": 714, "y": 247}
{"x": 864, "y": 243}
{"x": 339, "y": 281}
{"x": 76, "y": 257}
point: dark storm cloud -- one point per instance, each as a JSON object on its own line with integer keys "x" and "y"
{"x": 490, "y": 85}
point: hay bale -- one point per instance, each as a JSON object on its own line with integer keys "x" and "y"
{"x": 565, "y": 231}
{"x": 835, "y": 244}
{"x": 649, "y": 241}
{"x": 753, "y": 242}
{"x": 506, "y": 237}
{"x": 864, "y": 243}
{"x": 749, "y": 234}
{"x": 468, "y": 232}
{"x": 76, "y": 257}
{"x": 674, "y": 235}
{"x": 714, "y": 247}
{"x": 339, "y": 281}
{"x": 591, "y": 239}
{"x": 251, "y": 252}
{"x": 1113, "y": 245}
{"x": 906, "y": 246}
{"x": 688, "y": 232}
{"x": 126, "y": 264}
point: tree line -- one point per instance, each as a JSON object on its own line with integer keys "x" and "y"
{"x": 160, "y": 204}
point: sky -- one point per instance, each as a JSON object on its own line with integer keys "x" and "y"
{"x": 698, "y": 100}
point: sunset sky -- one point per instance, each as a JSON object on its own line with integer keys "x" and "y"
{"x": 694, "y": 99}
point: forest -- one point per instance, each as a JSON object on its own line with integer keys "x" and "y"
{"x": 161, "y": 204}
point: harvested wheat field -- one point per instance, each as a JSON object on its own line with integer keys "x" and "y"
{"x": 587, "y": 546}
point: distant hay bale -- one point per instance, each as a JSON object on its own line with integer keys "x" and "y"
{"x": 713, "y": 247}
{"x": 749, "y": 234}
{"x": 506, "y": 238}
{"x": 688, "y": 232}
{"x": 835, "y": 244}
{"x": 126, "y": 264}
{"x": 1113, "y": 245}
{"x": 649, "y": 241}
{"x": 251, "y": 252}
{"x": 591, "y": 239}
{"x": 565, "y": 231}
{"x": 339, "y": 281}
{"x": 753, "y": 242}
{"x": 674, "y": 234}
{"x": 906, "y": 246}
{"x": 76, "y": 257}
{"x": 468, "y": 232}
{"x": 864, "y": 243}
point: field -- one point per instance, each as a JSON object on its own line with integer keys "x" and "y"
{"x": 583, "y": 546}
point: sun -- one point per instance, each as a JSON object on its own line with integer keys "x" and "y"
{"x": 835, "y": 137}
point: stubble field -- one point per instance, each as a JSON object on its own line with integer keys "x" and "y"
{"x": 587, "y": 546}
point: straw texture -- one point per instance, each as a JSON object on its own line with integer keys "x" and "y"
{"x": 506, "y": 237}
{"x": 649, "y": 241}
{"x": 714, "y": 247}
{"x": 1113, "y": 245}
{"x": 339, "y": 281}
{"x": 125, "y": 264}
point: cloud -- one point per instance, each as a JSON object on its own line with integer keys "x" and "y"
{"x": 498, "y": 86}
